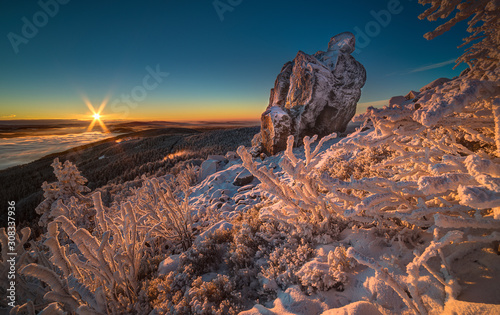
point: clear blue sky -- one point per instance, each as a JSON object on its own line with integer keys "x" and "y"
{"x": 217, "y": 68}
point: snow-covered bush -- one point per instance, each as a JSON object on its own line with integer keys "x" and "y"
{"x": 300, "y": 198}
{"x": 164, "y": 210}
{"x": 340, "y": 264}
{"x": 252, "y": 243}
{"x": 356, "y": 164}
{"x": 174, "y": 220}
{"x": 214, "y": 297}
{"x": 79, "y": 211}
{"x": 255, "y": 258}
{"x": 326, "y": 271}
{"x": 410, "y": 292}
{"x": 442, "y": 171}
{"x": 101, "y": 271}
{"x": 284, "y": 263}
{"x": 70, "y": 183}
{"x": 169, "y": 294}
{"x": 94, "y": 272}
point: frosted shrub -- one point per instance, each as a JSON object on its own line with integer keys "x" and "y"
{"x": 244, "y": 251}
{"x": 214, "y": 297}
{"x": 300, "y": 198}
{"x": 259, "y": 255}
{"x": 175, "y": 216}
{"x": 165, "y": 210}
{"x": 100, "y": 272}
{"x": 217, "y": 296}
{"x": 410, "y": 293}
{"x": 70, "y": 183}
{"x": 207, "y": 255}
{"x": 270, "y": 250}
{"x": 170, "y": 293}
{"x": 326, "y": 272}
{"x": 253, "y": 240}
{"x": 285, "y": 261}
{"x": 340, "y": 264}
{"x": 443, "y": 171}
{"x": 316, "y": 279}
{"x": 80, "y": 212}
{"x": 356, "y": 164}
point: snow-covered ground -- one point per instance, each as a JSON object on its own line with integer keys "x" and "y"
{"x": 402, "y": 216}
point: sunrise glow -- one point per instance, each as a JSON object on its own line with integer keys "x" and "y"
{"x": 96, "y": 114}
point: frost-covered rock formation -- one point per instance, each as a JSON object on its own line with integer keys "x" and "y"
{"x": 313, "y": 94}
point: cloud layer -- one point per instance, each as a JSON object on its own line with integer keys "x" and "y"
{"x": 22, "y": 150}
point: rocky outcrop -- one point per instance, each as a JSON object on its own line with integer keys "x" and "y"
{"x": 313, "y": 94}
{"x": 276, "y": 126}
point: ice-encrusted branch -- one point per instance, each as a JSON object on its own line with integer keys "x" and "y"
{"x": 413, "y": 268}
{"x": 383, "y": 275}
{"x": 449, "y": 222}
{"x": 176, "y": 214}
{"x": 302, "y": 194}
{"x": 60, "y": 292}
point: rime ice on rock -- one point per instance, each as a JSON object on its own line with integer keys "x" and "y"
{"x": 313, "y": 94}
{"x": 275, "y": 128}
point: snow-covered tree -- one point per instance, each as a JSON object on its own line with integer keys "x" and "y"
{"x": 70, "y": 183}
{"x": 484, "y": 25}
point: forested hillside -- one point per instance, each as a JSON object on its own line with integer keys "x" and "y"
{"x": 117, "y": 160}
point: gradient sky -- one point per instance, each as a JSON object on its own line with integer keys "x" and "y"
{"x": 218, "y": 69}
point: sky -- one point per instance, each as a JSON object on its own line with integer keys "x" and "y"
{"x": 200, "y": 60}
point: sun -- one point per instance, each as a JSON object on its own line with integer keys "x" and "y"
{"x": 96, "y": 114}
